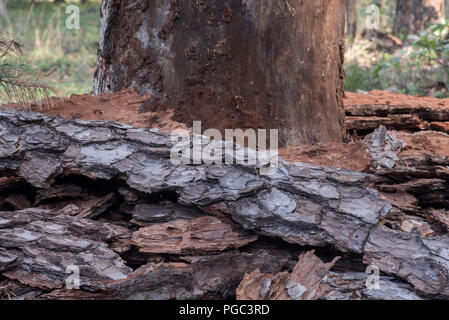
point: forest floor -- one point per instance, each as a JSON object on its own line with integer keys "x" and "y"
{"x": 124, "y": 106}
{"x": 364, "y": 114}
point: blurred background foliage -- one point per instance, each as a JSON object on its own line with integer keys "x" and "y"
{"x": 63, "y": 58}
{"x": 382, "y": 59}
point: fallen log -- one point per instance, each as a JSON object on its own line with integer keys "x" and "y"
{"x": 114, "y": 245}
{"x": 311, "y": 279}
{"x": 366, "y": 112}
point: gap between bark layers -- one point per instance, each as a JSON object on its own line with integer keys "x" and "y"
{"x": 302, "y": 204}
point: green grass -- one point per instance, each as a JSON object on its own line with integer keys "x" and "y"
{"x": 64, "y": 59}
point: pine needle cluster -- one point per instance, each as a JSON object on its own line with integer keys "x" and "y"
{"x": 15, "y": 86}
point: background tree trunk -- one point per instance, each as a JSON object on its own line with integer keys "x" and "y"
{"x": 3, "y": 9}
{"x": 413, "y": 16}
{"x": 351, "y": 16}
{"x": 232, "y": 64}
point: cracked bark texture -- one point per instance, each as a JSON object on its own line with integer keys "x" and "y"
{"x": 305, "y": 282}
{"x": 274, "y": 64}
{"x": 37, "y": 247}
{"x": 301, "y": 205}
{"x": 198, "y": 236}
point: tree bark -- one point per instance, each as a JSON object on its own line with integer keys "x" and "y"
{"x": 351, "y": 18}
{"x": 68, "y": 168}
{"x": 231, "y": 64}
{"x": 413, "y": 16}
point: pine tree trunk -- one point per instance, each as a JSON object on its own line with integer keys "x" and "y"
{"x": 231, "y": 64}
{"x": 413, "y": 16}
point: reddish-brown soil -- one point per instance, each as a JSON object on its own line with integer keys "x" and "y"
{"x": 425, "y": 143}
{"x": 125, "y": 107}
{"x": 121, "y": 107}
{"x": 352, "y": 156}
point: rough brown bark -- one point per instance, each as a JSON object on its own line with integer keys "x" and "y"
{"x": 305, "y": 282}
{"x": 231, "y": 64}
{"x": 413, "y": 16}
{"x": 56, "y": 161}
